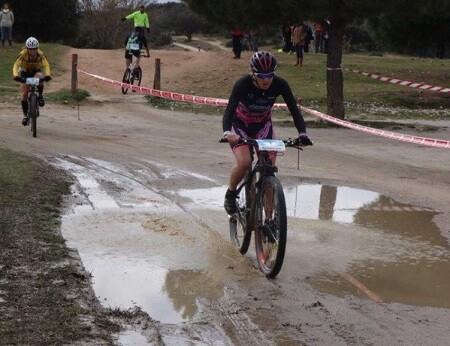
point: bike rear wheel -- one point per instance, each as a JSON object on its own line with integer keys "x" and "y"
{"x": 137, "y": 77}
{"x": 126, "y": 79}
{"x": 33, "y": 113}
{"x": 241, "y": 223}
{"x": 271, "y": 228}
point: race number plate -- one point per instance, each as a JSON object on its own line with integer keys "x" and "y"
{"x": 32, "y": 81}
{"x": 270, "y": 145}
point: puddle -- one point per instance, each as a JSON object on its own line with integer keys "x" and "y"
{"x": 128, "y": 247}
{"x": 353, "y": 241}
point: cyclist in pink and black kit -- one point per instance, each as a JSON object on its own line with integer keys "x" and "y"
{"x": 248, "y": 115}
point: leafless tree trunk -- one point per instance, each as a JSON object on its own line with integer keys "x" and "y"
{"x": 335, "y": 78}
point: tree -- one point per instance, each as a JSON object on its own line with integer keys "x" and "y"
{"x": 415, "y": 26}
{"x": 178, "y": 18}
{"x": 251, "y": 13}
{"x": 47, "y": 20}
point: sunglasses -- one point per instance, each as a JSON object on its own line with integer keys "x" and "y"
{"x": 265, "y": 75}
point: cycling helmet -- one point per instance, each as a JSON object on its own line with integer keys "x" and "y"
{"x": 263, "y": 62}
{"x": 31, "y": 42}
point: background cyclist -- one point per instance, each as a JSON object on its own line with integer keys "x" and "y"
{"x": 248, "y": 115}
{"x": 139, "y": 17}
{"x": 134, "y": 42}
{"x": 30, "y": 63}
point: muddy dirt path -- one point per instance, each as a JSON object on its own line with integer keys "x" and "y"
{"x": 148, "y": 224}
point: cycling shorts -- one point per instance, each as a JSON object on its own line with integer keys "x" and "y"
{"x": 263, "y": 131}
{"x": 129, "y": 54}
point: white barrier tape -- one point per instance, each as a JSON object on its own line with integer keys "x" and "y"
{"x": 398, "y": 208}
{"x": 420, "y": 85}
{"x": 223, "y": 102}
{"x": 440, "y": 143}
{"x": 164, "y": 94}
{"x": 334, "y": 68}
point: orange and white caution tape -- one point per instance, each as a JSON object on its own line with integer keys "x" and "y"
{"x": 440, "y": 143}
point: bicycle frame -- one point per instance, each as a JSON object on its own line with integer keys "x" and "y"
{"x": 33, "y": 106}
{"x": 264, "y": 209}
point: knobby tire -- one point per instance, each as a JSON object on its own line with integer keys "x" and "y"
{"x": 126, "y": 79}
{"x": 138, "y": 78}
{"x": 270, "y": 254}
{"x": 33, "y": 114}
{"x": 241, "y": 223}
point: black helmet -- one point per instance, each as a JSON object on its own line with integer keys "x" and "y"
{"x": 263, "y": 62}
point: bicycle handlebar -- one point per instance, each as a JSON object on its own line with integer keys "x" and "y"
{"x": 24, "y": 80}
{"x": 290, "y": 142}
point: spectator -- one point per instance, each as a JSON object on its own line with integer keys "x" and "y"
{"x": 309, "y": 38}
{"x": 254, "y": 39}
{"x": 237, "y": 36}
{"x": 318, "y": 34}
{"x": 139, "y": 17}
{"x": 6, "y": 23}
{"x": 298, "y": 39}
{"x": 286, "y": 32}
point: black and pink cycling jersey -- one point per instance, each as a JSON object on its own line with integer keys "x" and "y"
{"x": 249, "y": 108}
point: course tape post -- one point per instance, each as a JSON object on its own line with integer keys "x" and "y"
{"x": 440, "y": 143}
{"x": 420, "y": 85}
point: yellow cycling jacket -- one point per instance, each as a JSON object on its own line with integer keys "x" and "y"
{"x": 24, "y": 62}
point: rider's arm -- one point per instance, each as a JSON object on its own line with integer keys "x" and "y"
{"x": 291, "y": 103}
{"x": 45, "y": 64}
{"x": 147, "y": 22}
{"x": 231, "y": 107}
{"x": 131, "y": 15}
{"x": 17, "y": 64}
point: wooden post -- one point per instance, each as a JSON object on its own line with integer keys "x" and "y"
{"x": 74, "y": 74}
{"x": 157, "y": 79}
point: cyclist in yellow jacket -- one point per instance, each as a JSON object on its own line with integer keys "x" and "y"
{"x": 140, "y": 18}
{"x": 31, "y": 62}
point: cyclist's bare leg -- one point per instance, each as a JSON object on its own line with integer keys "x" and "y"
{"x": 40, "y": 88}
{"x": 138, "y": 60}
{"x": 24, "y": 92}
{"x": 243, "y": 164}
{"x": 127, "y": 62}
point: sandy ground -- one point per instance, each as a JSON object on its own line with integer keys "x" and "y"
{"x": 139, "y": 154}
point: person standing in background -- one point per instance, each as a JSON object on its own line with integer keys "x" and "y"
{"x": 318, "y": 34}
{"x": 237, "y": 36}
{"x": 298, "y": 39}
{"x": 139, "y": 17}
{"x": 6, "y": 23}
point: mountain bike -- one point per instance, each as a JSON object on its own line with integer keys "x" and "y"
{"x": 33, "y": 105}
{"x": 132, "y": 74}
{"x": 261, "y": 207}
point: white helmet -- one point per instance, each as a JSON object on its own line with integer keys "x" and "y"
{"x": 31, "y": 42}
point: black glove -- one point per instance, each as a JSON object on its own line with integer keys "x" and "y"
{"x": 47, "y": 78}
{"x": 148, "y": 30}
{"x": 303, "y": 140}
{"x": 123, "y": 19}
{"x": 18, "y": 79}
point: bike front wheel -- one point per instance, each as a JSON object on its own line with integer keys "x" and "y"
{"x": 241, "y": 223}
{"x": 271, "y": 228}
{"x": 126, "y": 79}
{"x": 33, "y": 109}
